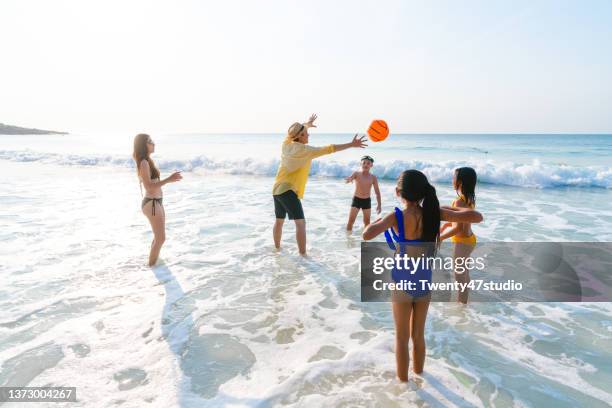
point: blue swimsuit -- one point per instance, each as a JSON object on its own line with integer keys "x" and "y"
{"x": 400, "y": 275}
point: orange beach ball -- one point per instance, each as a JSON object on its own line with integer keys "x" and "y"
{"x": 378, "y": 130}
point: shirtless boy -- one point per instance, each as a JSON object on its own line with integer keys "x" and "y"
{"x": 364, "y": 181}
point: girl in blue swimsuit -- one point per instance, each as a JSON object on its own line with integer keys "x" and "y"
{"x": 414, "y": 248}
{"x": 416, "y": 227}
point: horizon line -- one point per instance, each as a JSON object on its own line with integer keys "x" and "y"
{"x": 411, "y": 133}
{"x": 399, "y": 133}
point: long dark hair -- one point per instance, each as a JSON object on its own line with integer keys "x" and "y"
{"x": 467, "y": 177}
{"x": 414, "y": 187}
{"x": 141, "y": 152}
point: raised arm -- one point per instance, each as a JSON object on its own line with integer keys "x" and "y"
{"x": 379, "y": 226}
{"x": 310, "y": 123}
{"x": 312, "y": 152}
{"x": 145, "y": 175}
{"x": 358, "y": 141}
{"x": 454, "y": 214}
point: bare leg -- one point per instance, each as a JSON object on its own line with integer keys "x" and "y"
{"x": 300, "y": 235}
{"x": 417, "y": 332}
{"x": 352, "y": 216}
{"x": 366, "y": 217}
{"x": 401, "y": 315}
{"x": 158, "y": 225}
{"x": 277, "y": 231}
{"x": 462, "y": 251}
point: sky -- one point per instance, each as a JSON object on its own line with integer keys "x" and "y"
{"x": 257, "y": 66}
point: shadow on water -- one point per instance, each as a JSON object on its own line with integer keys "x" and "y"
{"x": 176, "y": 322}
{"x": 206, "y": 360}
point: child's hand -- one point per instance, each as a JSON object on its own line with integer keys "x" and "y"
{"x": 378, "y": 209}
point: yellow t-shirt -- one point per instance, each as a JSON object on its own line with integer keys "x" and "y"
{"x": 295, "y": 165}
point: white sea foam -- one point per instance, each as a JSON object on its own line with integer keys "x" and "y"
{"x": 228, "y": 321}
{"x": 534, "y": 174}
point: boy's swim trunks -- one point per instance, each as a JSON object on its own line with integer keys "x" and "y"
{"x": 363, "y": 203}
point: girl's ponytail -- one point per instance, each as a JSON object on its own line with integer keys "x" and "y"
{"x": 414, "y": 186}
{"x": 431, "y": 215}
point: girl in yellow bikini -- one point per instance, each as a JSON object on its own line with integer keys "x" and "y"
{"x": 460, "y": 233}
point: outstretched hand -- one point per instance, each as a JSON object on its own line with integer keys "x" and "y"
{"x": 310, "y": 122}
{"x": 358, "y": 141}
{"x": 445, "y": 226}
{"x": 174, "y": 177}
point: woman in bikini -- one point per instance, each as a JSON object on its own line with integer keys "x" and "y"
{"x": 152, "y": 206}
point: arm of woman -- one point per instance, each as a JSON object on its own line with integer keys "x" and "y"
{"x": 358, "y": 141}
{"x": 379, "y": 226}
{"x": 454, "y": 214}
{"x": 312, "y": 152}
{"x": 310, "y": 123}
{"x": 145, "y": 175}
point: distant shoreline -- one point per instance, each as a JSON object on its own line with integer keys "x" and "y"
{"x": 16, "y": 130}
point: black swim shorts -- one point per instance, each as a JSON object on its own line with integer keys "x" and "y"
{"x": 363, "y": 203}
{"x": 288, "y": 203}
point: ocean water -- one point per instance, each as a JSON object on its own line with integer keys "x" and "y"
{"x": 224, "y": 319}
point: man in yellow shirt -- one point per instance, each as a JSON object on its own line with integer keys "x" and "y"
{"x": 292, "y": 175}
